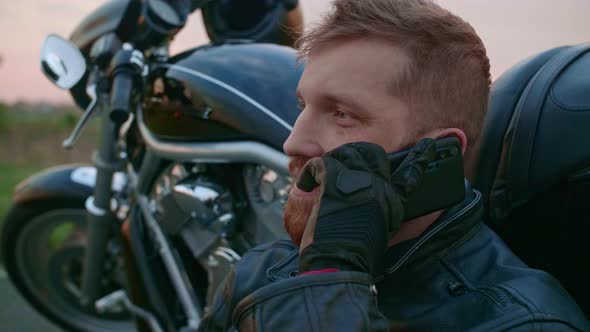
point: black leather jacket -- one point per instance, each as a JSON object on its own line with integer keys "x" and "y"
{"x": 457, "y": 276}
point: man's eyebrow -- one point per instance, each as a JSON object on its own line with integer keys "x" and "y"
{"x": 345, "y": 100}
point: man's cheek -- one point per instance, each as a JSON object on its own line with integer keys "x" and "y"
{"x": 341, "y": 136}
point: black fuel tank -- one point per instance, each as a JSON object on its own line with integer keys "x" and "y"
{"x": 226, "y": 92}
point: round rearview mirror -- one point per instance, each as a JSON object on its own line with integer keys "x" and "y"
{"x": 62, "y": 62}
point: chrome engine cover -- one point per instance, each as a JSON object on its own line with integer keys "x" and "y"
{"x": 191, "y": 204}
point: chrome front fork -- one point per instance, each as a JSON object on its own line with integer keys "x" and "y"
{"x": 100, "y": 217}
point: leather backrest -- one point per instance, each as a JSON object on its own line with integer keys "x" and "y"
{"x": 537, "y": 118}
{"x": 534, "y": 164}
{"x": 504, "y": 95}
{"x": 545, "y": 140}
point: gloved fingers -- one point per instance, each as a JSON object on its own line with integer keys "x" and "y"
{"x": 363, "y": 156}
{"x": 376, "y": 158}
{"x": 410, "y": 173}
{"x": 349, "y": 156}
{"x": 424, "y": 152}
{"x": 408, "y": 179}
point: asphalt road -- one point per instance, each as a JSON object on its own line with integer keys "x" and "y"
{"x": 16, "y": 315}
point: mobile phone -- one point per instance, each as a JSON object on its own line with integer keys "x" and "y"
{"x": 443, "y": 184}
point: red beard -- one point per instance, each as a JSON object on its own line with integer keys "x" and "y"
{"x": 298, "y": 208}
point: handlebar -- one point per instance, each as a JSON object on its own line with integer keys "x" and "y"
{"x": 121, "y": 97}
{"x": 127, "y": 68}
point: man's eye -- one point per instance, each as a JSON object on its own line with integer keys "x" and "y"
{"x": 301, "y": 105}
{"x": 341, "y": 115}
{"x": 345, "y": 119}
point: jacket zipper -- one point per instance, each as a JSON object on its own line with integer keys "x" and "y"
{"x": 426, "y": 237}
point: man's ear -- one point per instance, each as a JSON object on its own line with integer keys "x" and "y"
{"x": 460, "y": 134}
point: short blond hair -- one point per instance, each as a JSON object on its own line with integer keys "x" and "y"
{"x": 448, "y": 81}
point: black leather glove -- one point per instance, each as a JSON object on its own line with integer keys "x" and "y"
{"x": 360, "y": 204}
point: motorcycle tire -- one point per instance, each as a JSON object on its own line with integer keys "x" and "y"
{"x": 21, "y": 222}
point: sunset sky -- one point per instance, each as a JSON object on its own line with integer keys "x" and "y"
{"x": 511, "y": 30}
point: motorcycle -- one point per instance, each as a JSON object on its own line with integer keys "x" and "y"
{"x": 189, "y": 173}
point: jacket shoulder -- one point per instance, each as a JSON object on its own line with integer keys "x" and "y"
{"x": 257, "y": 268}
{"x": 519, "y": 294}
{"x": 263, "y": 265}
{"x": 545, "y": 299}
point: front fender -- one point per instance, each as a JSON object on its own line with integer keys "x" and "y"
{"x": 64, "y": 181}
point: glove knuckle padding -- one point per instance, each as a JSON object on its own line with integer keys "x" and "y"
{"x": 348, "y": 156}
{"x": 362, "y": 156}
{"x": 350, "y": 181}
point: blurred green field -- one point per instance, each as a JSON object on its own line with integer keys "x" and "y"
{"x": 11, "y": 176}
{"x": 30, "y": 140}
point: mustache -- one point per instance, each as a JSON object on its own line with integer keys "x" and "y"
{"x": 295, "y": 166}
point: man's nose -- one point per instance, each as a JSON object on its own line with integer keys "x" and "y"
{"x": 304, "y": 139}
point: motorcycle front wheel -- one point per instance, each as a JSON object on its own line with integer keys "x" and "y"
{"x": 43, "y": 250}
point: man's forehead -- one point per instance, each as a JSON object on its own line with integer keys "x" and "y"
{"x": 354, "y": 63}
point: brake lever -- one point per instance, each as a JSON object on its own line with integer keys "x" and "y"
{"x": 69, "y": 142}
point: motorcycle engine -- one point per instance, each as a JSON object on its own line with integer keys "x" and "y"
{"x": 195, "y": 204}
{"x": 186, "y": 192}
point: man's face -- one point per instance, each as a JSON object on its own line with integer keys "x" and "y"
{"x": 345, "y": 96}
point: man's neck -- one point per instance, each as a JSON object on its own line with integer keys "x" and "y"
{"x": 413, "y": 228}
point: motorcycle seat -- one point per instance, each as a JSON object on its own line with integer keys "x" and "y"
{"x": 534, "y": 164}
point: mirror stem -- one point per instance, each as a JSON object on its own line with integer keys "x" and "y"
{"x": 69, "y": 142}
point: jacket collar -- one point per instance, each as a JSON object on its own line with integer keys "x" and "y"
{"x": 449, "y": 230}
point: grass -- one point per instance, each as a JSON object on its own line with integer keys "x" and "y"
{"x": 11, "y": 176}
{"x": 55, "y": 117}
{"x": 30, "y": 140}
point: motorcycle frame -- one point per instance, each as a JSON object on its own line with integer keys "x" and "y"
{"x": 101, "y": 219}
{"x": 220, "y": 152}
